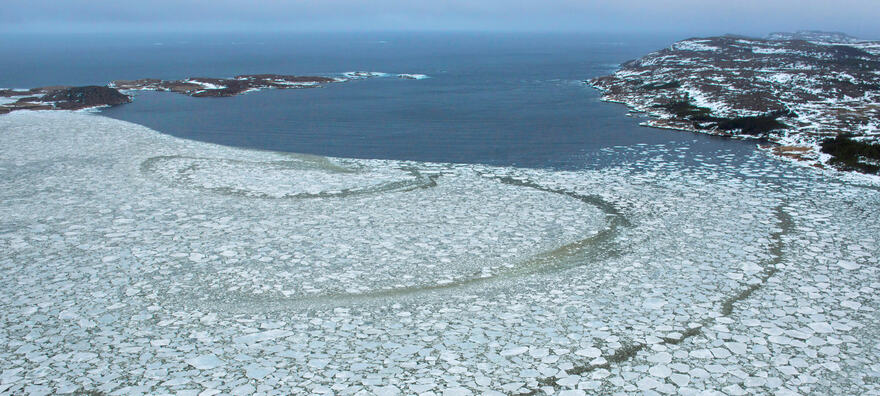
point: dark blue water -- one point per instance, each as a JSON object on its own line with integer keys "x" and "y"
{"x": 501, "y": 99}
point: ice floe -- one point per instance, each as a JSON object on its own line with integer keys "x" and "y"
{"x": 137, "y": 263}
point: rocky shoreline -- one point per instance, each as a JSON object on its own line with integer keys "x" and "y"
{"x": 85, "y": 97}
{"x": 792, "y": 94}
{"x": 61, "y": 98}
{"x": 222, "y": 87}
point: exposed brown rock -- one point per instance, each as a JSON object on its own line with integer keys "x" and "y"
{"x": 222, "y": 87}
{"x": 82, "y": 97}
{"x": 144, "y": 83}
{"x": 75, "y": 98}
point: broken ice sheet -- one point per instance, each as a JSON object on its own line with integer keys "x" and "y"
{"x": 221, "y": 270}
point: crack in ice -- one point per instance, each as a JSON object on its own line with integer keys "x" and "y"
{"x": 590, "y": 250}
{"x": 629, "y": 351}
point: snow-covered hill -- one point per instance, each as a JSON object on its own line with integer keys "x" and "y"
{"x": 793, "y": 92}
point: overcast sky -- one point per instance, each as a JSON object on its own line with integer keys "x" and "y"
{"x": 858, "y": 17}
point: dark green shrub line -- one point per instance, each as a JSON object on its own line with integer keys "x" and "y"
{"x": 752, "y": 125}
{"x": 756, "y": 125}
{"x": 848, "y": 153}
{"x": 661, "y": 85}
{"x": 684, "y": 109}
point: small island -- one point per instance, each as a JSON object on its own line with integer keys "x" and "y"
{"x": 92, "y": 96}
{"x": 812, "y": 96}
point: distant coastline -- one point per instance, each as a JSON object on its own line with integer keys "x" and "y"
{"x": 815, "y": 97}
{"x": 114, "y": 93}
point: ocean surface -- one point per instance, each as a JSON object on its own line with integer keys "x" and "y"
{"x": 499, "y": 99}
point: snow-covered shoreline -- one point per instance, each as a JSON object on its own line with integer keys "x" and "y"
{"x": 793, "y": 93}
{"x": 117, "y": 92}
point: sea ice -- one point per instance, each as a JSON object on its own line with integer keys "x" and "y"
{"x": 138, "y": 262}
{"x": 205, "y": 362}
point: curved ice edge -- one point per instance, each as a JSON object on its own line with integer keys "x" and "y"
{"x": 541, "y": 262}
{"x": 597, "y": 247}
{"x": 785, "y": 223}
{"x": 416, "y": 180}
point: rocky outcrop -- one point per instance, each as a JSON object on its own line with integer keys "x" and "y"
{"x": 76, "y": 98}
{"x": 61, "y": 98}
{"x": 82, "y": 97}
{"x": 795, "y": 93}
{"x": 221, "y": 87}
